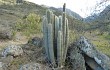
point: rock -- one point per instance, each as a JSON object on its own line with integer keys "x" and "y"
{"x": 3, "y": 66}
{"x": 89, "y": 50}
{"x": 34, "y": 66}
{"x": 92, "y": 63}
{"x": 12, "y": 50}
{"x": 6, "y": 33}
{"x": 7, "y": 60}
{"x": 36, "y": 41}
{"x": 76, "y": 59}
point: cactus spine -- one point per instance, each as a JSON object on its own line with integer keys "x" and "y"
{"x": 56, "y": 32}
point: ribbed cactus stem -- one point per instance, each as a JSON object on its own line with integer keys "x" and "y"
{"x": 66, "y": 39}
{"x": 64, "y": 33}
{"x": 45, "y": 37}
{"x": 49, "y": 16}
{"x": 59, "y": 48}
{"x": 50, "y": 44}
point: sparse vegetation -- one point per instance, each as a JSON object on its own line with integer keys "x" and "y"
{"x": 30, "y": 25}
{"x": 26, "y": 19}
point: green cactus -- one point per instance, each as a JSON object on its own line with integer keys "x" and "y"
{"x": 45, "y": 37}
{"x": 49, "y": 15}
{"x": 56, "y": 32}
{"x": 64, "y": 34}
{"x": 59, "y": 49}
{"x": 50, "y": 44}
{"x": 66, "y": 39}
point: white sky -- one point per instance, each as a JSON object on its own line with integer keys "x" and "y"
{"x": 82, "y": 7}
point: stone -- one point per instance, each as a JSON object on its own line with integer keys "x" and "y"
{"x": 90, "y": 51}
{"x": 36, "y": 41}
{"x": 7, "y": 60}
{"x": 34, "y": 66}
{"x": 12, "y": 50}
{"x": 6, "y": 33}
{"x": 76, "y": 59}
{"x": 3, "y": 66}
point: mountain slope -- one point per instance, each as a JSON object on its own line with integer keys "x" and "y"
{"x": 72, "y": 14}
{"x": 10, "y": 14}
{"x": 69, "y": 12}
{"x": 103, "y": 16}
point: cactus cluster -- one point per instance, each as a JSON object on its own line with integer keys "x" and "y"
{"x": 55, "y": 37}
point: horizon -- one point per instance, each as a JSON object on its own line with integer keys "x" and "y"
{"x": 84, "y": 8}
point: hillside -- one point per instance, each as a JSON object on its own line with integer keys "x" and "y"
{"x": 69, "y": 12}
{"x": 10, "y": 14}
{"x": 101, "y": 21}
{"x": 17, "y": 18}
{"x": 100, "y": 29}
{"x": 101, "y": 17}
{"x": 21, "y": 29}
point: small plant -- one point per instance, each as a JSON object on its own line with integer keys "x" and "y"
{"x": 30, "y": 25}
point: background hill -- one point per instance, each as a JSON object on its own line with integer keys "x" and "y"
{"x": 69, "y": 12}
{"x": 101, "y": 21}
{"x": 101, "y": 17}
{"x": 10, "y": 14}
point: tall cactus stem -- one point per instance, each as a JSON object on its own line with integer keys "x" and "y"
{"x": 50, "y": 44}
{"x": 64, "y": 33}
{"x": 59, "y": 48}
{"x": 66, "y": 39}
{"x": 45, "y": 37}
{"x": 48, "y": 15}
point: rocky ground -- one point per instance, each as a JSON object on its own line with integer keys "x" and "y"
{"x": 31, "y": 56}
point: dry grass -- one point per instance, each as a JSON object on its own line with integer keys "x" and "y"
{"x": 101, "y": 43}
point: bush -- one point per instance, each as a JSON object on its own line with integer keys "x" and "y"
{"x": 30, "y": 25}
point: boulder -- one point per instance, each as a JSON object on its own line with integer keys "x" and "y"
{"x": 34, "y": 66}
{"x": 12, "y": 50}
{"x": 93, "y": 54}
{"x": 36, "y": 41}
{"x": 6, "y": 33}
{"x": 76, "y": 59}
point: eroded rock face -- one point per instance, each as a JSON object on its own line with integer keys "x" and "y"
{"x": 89, "y": 50}
{"x": 34, "y": 66}
{"x": 12, "y": 50}
{"x": 76, "y": 59}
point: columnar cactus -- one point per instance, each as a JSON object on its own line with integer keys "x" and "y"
{"x": 55, "y": 37}
{"x": 59, "y": 48}
{"x": 50, "y": 44}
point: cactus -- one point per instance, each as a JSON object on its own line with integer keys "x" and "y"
{"x": 56, "y": 32}
{"x": 50, "y": 44}
{"x": 45, "y": 37}
{"x": 66, "y": 39}
{"x": 59, "y": 49}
